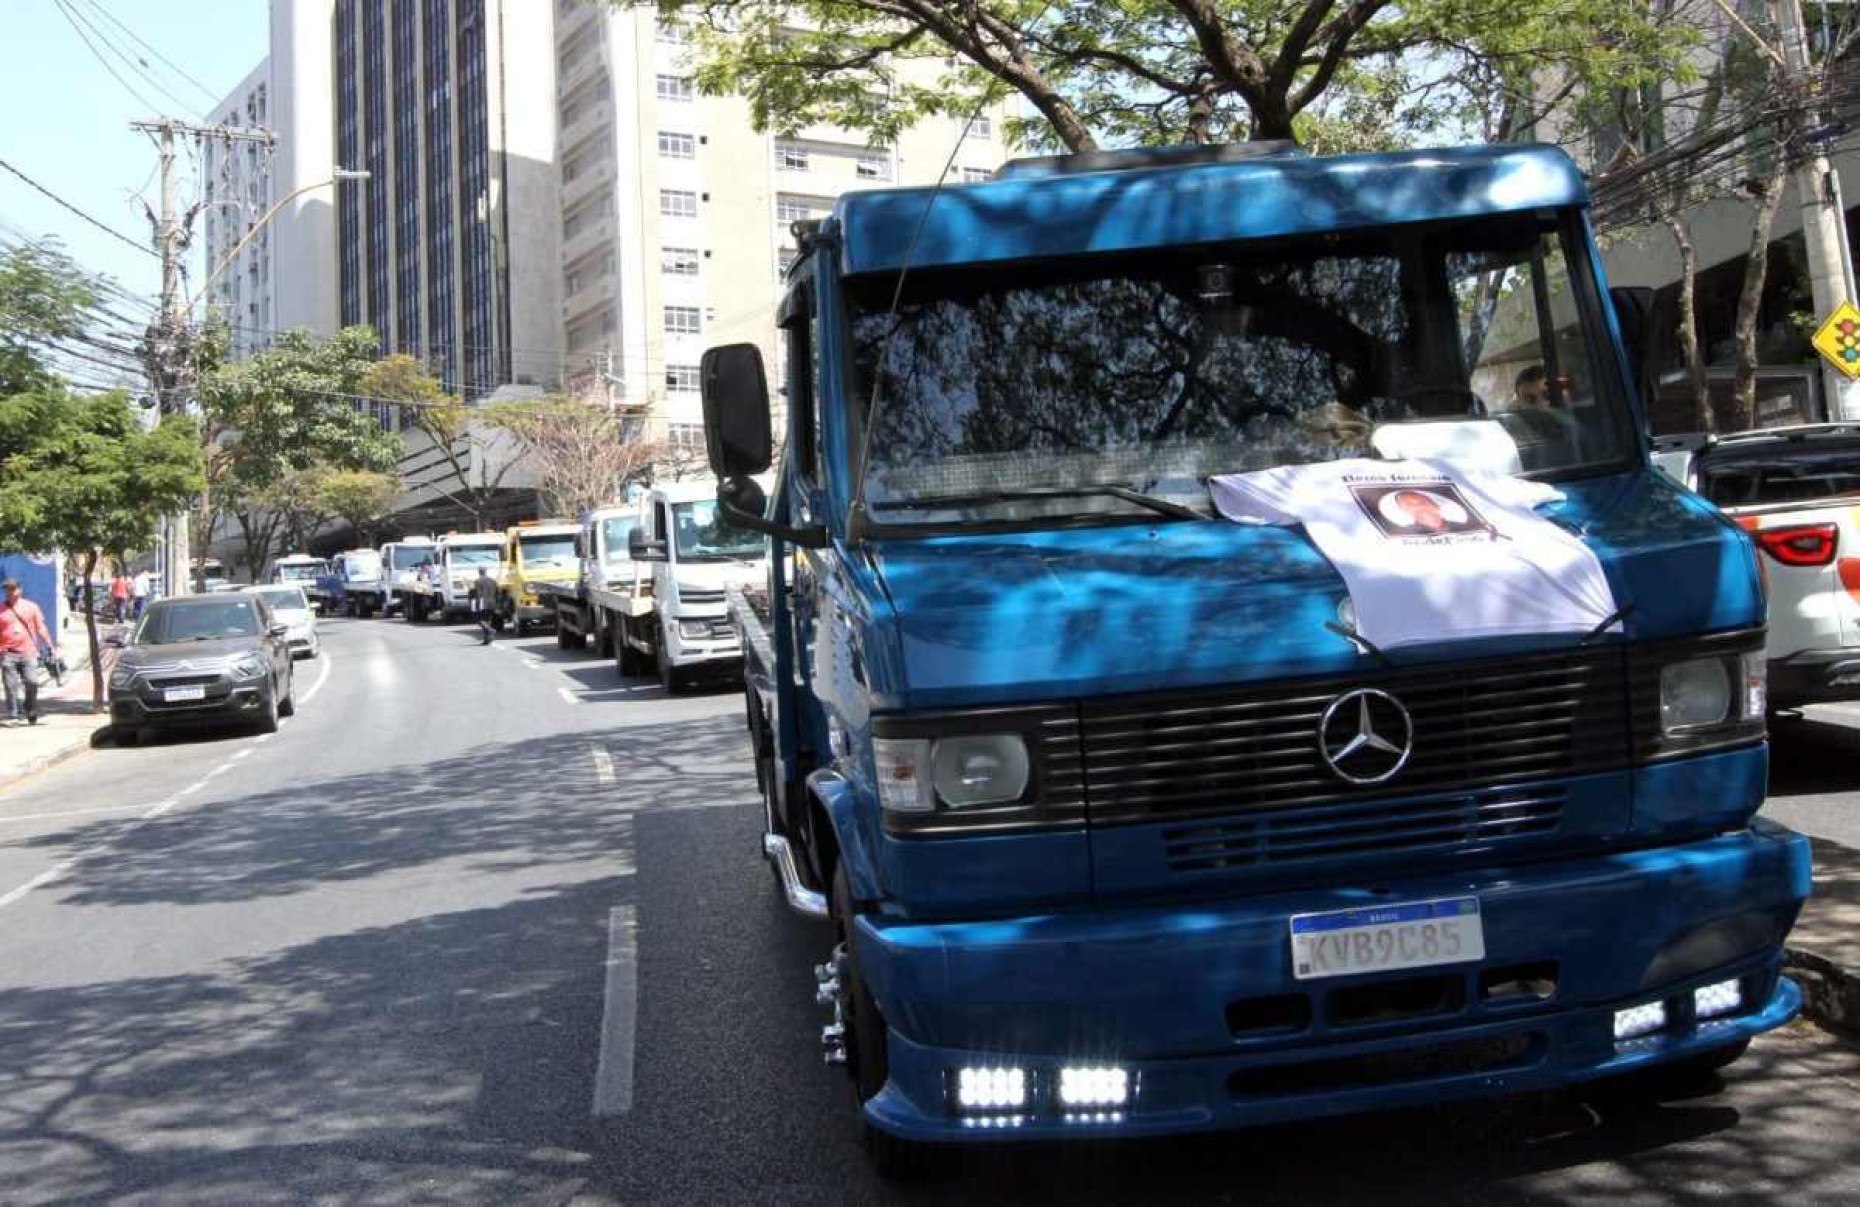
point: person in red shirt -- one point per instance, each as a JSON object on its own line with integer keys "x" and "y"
{"x": 120, "y": 591}
{"x": 23, "y": 641}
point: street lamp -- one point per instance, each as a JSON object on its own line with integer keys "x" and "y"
{"x": 177, "y": 557}
{"x": 342, "y": 175}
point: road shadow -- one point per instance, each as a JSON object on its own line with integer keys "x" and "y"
{"x": 1813, "y": 757}
{"x": 542, "y": 806}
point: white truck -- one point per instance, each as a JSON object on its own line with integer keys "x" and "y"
{"x": 302, "y": 570}
{"x": 443, "y": 588}
{"x": 401, "y": 562}
{"x": 653, "y": 578}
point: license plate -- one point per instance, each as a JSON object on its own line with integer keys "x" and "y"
{"x": 176, "y": 695}
{"x": 1417, "y": 934}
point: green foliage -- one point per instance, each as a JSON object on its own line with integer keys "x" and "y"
{"x": 82, "y": 473}
{"x": 43, "y": 296}
{"x": 1120, "y": 72}
{"x": 360, "y": 497}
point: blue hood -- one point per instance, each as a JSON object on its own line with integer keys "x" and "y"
{"x": 1096, "y": 611}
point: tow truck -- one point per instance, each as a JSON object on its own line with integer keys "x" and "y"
{"x": 302, "y": 570}
{"x": 1122, "y": 824}
{"x": 535, "y": 552}
{"x": 651, "y": 592}
{"x": 443, "y": 588}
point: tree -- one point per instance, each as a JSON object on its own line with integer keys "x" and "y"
{"x": 458, "y": 432}
{"x": 582, "y": 452}
{"x": 360, "y": 498}
{"x": 295, "y": 405}
{"x": 82, "y": 473}
{"x": 1117, "y": 72}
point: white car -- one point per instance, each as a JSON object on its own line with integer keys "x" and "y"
{"x": 291, "y": 608}
{"x": 1796, "y": 490}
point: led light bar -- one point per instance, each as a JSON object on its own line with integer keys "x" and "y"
{"x": 1640, "y": 1020}
{"x": 991, "y": 1089}
{"x": 1093, "y": 1087}
{"x": 1723, "y": 997}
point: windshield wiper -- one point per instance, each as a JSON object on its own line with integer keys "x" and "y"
{"x": 1163, "y": 506}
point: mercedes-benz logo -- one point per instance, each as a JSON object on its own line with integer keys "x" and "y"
{"x": 1365, "y": 736}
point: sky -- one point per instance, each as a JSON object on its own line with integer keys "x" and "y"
{"x": 66, "y": 120}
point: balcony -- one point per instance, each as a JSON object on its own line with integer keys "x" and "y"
{"x": 593, "y": 237}
{"x": 595, "y": 178}
{"x": 593, "y": 115}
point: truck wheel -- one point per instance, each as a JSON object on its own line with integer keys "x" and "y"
{"x": 866, "y": 1035}
{"x": 669, "y": 677}
{"x": 561, "y": 634}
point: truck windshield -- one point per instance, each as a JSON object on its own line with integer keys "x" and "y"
{"x": 616, "y": 538}
{"x": 702, "y": 535}
{"x": 474, "y": 555}
{"x": 406, "y": 557}
{"x": 557, "y": 549}
{"x": 302, "y": 572}
{"x": 1114, "y": 387}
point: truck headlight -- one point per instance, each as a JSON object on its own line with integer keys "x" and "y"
{"x": 694, "y": 630}
{"x": 963, "y": 771}
{"x": 1696, "y": 694}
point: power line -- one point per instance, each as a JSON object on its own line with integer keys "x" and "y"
{"x": 71, "y": 20}
{"x": 171, "y": 64}
{"x": 104, "y": 227}
{"x": 137, "y": 65}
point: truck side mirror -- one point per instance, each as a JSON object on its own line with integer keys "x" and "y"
{"x": 1633, "y": 306}
{"x": 642, "y": 550}
{"x": 737, "y": 431}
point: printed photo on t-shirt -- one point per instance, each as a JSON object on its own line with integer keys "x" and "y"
{"x": 1420, "y": 509}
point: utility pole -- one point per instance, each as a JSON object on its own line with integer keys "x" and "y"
{"x": 1824, "y": 216}
{"x": 169, "y": 341}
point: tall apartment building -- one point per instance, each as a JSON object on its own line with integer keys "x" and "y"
{"x": 549, "y": 200}
{"x": 236, "y": 190}
{"x": 676, "y": 213}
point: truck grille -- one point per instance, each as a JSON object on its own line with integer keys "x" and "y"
{"x": 1361, "y": 828}
{"x": 1476, "y": 726}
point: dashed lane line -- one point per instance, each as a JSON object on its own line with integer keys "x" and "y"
{"x": 613, "y": 1075}
{"x": 567, "y": 695}
{"x": 603, "y": 764}
{"x": 159, "y": 807}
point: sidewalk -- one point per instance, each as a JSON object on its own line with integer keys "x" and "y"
{"x": 67, "y": 724}
{"x": 1824, "y": 948}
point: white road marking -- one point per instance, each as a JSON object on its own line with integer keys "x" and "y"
{"x": 321, "y": 678}
{"x": 161, "y": 807}
{"x": 567, "y": 695}
{"x": 613, "y": 1076}
{"x": 41, "y": 880}
{"x": 262, "y": 738}
{"x": 603, "y": 764}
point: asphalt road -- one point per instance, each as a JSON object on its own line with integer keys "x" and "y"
{"x": 400, "y": 951}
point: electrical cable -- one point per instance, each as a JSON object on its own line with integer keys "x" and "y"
{"x": 72, "y": 21}
{"x": 106, "y": 14}
{"x": 104, "y": 227}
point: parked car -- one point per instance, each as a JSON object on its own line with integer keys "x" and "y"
{"x": 199, "y": 660}
{"x": 1795, "y": 490}
{"x": 291, "y": 609}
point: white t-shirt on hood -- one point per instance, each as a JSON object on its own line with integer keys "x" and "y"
{"x": 1431, "y": 552}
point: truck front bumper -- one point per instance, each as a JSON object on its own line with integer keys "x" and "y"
{"x": 1199, "y": 1007}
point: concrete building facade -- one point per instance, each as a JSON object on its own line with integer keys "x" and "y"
{"x": 550, "y": 202}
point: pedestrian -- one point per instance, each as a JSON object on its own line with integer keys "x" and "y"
{"x": 120, "y": 593}
{"x": 484, "y": 601}
{"x": 24, "y": 640}
{"x": 139, "y": 591}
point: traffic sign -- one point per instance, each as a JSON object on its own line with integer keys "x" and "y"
{"x": 1839, "y": 339}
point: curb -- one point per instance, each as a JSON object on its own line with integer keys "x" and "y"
{"x": 1830, "y": 993}
{"x": 33, "y": 766}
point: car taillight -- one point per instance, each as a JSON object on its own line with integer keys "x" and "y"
{"x": 1800, "y": 544}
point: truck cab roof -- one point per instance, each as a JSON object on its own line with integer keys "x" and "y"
{"x": 1052, "y": 209}
{"x": 471, "y": 538}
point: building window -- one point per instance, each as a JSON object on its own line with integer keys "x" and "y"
{"x": 871, "y": 168}
{"x": 790, "y": 158}
{"x": 682, "y": 379}
{"x": 798, "y": 209}
{"x": 672, "y": 33}
{"x": 686, "y": 437}
{"x": 982, "y": 127}
{"x": 678, "y": 261}
{"x": 683, "y": 320}
{"x": 972, "y": 175}
{"x": 677, "y": 203}
{"x": 677, "y": 146}
{"x": 676, "y": 88}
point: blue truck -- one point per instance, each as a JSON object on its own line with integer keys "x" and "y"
{"x": 1122, "y": 824}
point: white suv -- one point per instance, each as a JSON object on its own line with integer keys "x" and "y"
{"x": 1796, "y": 490}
